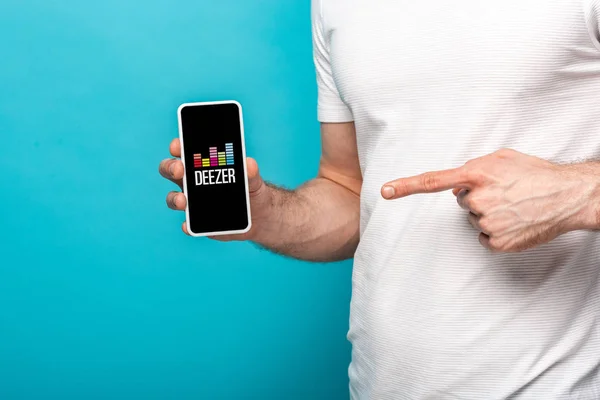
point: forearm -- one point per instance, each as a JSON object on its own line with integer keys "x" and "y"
{"x": 319, "y": 221}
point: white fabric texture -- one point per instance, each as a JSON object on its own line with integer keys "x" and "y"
{"x": 431, "y": 85}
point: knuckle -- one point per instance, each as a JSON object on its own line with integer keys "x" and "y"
{"x": 497, "y": 244}
{"x": 172, "y": 200}
{"x": 473, "y": 175}
{"x": 166, "y": 167}
{"x": 162, "y": 166}
{"x": 177, "y": 167}
{"x": 505, "y": 152}
{"x": 494, "y": 244}
{"x": 473, "y": 163}
{"x": 484, "y": 224}
{"x": 476, "y": 203}
{"x": 429, "y": 181}
{"x": 472, "y": 203}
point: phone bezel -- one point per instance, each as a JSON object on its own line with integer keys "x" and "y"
{"x": 185, "y": 190}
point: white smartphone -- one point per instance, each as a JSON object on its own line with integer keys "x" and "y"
{"x": 213, "y": 153}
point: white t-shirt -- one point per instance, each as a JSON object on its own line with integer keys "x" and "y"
{"x": 431, "y": 85}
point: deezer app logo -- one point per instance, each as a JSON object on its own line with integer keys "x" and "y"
{"x": 215, "y": 176}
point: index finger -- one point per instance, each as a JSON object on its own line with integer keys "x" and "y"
{"x": 429, "y": 182}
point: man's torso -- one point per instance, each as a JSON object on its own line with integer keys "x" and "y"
{"x": 432, "y": 85}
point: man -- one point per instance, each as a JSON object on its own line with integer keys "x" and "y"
{"x": 498, "y": 103}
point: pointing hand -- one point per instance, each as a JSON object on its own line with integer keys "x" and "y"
{"x": 514, "y": 200}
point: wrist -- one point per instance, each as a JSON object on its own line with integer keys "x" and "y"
{"x": 588, "y": 195}
{"x": 592, "y": 219}
{"x": 261, "y": 204}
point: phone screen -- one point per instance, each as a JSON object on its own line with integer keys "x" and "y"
{"x": 213, "y": 153}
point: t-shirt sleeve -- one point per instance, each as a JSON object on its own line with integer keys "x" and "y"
{"x": 330, "y": 107}
{"x": 592, "y": 13}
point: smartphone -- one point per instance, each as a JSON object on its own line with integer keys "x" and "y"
{"x": 213, "y": 153}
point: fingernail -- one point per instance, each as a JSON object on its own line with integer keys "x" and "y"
{"x": 388, "y": 192}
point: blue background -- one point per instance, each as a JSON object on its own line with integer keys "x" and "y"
{"x": 101, "y": 295}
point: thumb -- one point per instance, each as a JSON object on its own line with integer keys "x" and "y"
{"x": 255, "y": 182}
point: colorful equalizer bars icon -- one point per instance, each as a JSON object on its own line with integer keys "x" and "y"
{"x": 215, "y": 158}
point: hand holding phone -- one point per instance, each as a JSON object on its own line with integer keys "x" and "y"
{"x": 215, "y": 180}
